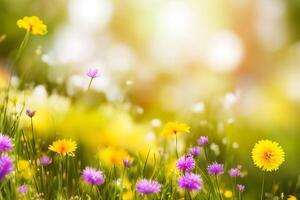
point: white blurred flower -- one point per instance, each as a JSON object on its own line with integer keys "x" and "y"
{"x": 215, "y": 148}
{"x": 198, "y": 107}
{"x": 230, "y": 99}
{"x": 156, "y": 123}
{"x": 129, "y": 82}
{"x": 224, "y": 141}
{"x": 224, "y": 52}
{"x": 231, "y": 120}
{"x": 139, "y": 110}
{"x": 150, "y": 136}
{"x": 235, "y": 145}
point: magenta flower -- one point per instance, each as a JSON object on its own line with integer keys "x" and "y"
{"x": 23, "y": 189}
{"x": 215, "y": 169}
{"x": 6, "y": 166}
{"x": 30, "y": 113}
{"x": 203, "y": 140}
{"x": 127, "y": 163}
{"x": 195, "y": 151}
{"x": 190, "y": 182}
{"x": 5, "y": 143}
{"x": 185, "y": 163}
{"x": 92, "y": 176}
{"x": 234, "y": 172}
{"x": 93, "y": 73}
{"x": 145, "y": 187}
{"x": 45, "y": 160}
{"x": 240, "y": 188}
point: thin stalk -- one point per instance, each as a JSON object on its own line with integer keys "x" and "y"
{"x": 262, "y": 186}
{"x": 176, "y": 146}
{"x": 218, "y": 187}
{"x": 22, "y": 46}
{"x": 90, "y": 83}
{"x": 33, "y": 136}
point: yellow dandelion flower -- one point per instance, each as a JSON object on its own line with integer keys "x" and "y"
{"x": 63, "y": 147}
{"x": 291, "y": 197}
{"x": 33, "y": 25}
{"x": 267, "y": 155}
{"x": 228, "y": 194}
{"x": 174, "y": 128}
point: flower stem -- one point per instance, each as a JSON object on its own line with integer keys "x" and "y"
{"x": 90, "y": 83}
{"x": 22, "y": 46}
{"x": 176, "y": 146}
{"x": 218, "y": 187}
{"x": 262, "y": 187}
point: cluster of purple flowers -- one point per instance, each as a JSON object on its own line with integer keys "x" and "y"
{"x": 190, "y": 182}
{"x": 6, "y": 164}
{"x": 92, "y": 176}
{"x": 215, "y": 169}
{"x": 145, "y": 187}
{"x": 185, "y": 163}
{"x": 45, "y": 160}
{"x": 195, "y": 151}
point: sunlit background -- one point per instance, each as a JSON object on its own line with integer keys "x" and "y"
{"x": 230, "y": 63}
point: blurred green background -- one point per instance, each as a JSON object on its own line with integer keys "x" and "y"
{"x": 227, "y": 67}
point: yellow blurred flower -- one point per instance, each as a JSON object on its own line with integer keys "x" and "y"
{"x": 64, "y": 147}
{"x": 33, "y": 24}
{"x": 127, "y": 195}
{"x": 267, "y": 155}
{"x": 228, "y": 194}
{"x": 24, "y": 169}
{"x": 112, "y": 155}
{"x": 291, "y": 197}
{"x": 174, "y": 128}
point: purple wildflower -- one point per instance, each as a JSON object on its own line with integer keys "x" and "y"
{"x": 185, "y": 163}
{"x": 93, "y": 73}
{"x": 6, "y": 166}
{"x": 23, "y": 189}
{"x": 5, "y": 143}
{"x": 203, "y": 140}
{"x": 195, "y": 151}
{"x": 190, "y": 182}
{"x": 215, "y": 169}
{"x": 92, "y": 176}
{"x": 45, "y": 160}
{"x": 145, "y": 187}
{"x": 127, "y": 162}
{"x": 30, "y": 113}
{"x": 240, "y": 188}
{"x": 234, "y": 172}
